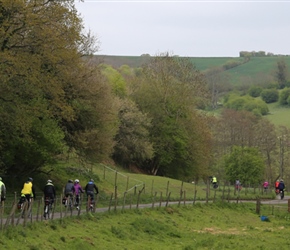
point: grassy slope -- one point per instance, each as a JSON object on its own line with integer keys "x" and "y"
{"x": 279, "y": 115}
{"x": 202, "y": 226}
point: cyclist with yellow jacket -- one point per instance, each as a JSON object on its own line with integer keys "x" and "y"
{"x": 28, "y": 190}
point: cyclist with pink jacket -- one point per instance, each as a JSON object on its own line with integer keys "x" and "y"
{"x": 77, "y": 189}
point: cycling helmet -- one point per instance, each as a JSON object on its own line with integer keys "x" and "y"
{"x": 91, "y": 180}
{"x": 30, "y": 179}
{"x": 49, "y": 181}
{"x": 70, "y": 181}
{"x": 77, "y": 181}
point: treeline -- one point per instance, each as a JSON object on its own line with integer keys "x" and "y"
{"x": 257, "y": 54}
{"x": 55, "y": 100}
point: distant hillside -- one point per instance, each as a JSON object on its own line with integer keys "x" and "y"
{"x": 202, "y": 63}
{"x": 256, "y": 68}
{"x": 118, "y": 61}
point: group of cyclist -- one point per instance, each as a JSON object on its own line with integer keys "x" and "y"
{"x": 72, "y": 189}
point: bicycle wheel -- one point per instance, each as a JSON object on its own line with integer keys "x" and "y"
{"x": 70, "y": 204}
{"x": 46, "y": 212}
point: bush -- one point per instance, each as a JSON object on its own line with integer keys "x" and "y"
{"x": 270, "y": 95}
{"x": 255, "y": 91}
{"x": 283, "y": 97}
{"x": 257, "y": 106}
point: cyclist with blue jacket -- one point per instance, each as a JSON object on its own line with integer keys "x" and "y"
{"x": 281, "y": 188}
{"x": 90, "y": 187}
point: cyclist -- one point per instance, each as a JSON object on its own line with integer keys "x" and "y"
{"x": 265, "y": 186}
{"x": 277, "y": 186}
{"x": 28, "y": 190}
{"x": 281, "y": 188}
{"x": 77, "y": 189}
{"x": 68, "y": 190}
{"x": 238, "y": 185}
{"x": 49, "y": 192}
{"x": 214, "y": 182}
{"x": 2, "y": 190}
{"x": 90, "y": 187}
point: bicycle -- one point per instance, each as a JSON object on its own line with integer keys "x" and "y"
{"x": 90, "y": 204}
{"x": 48, "y": 207}
{"x": 77, "y": 199}
{"x": 69, "y": 202}
{"x": 25, "y": 208}
{"x": 281, "y": 194}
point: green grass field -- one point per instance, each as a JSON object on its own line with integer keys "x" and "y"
{"x": 199, "y": 226}
{"x": 279, "y": 115}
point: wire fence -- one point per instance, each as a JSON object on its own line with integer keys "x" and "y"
{"x": 136, "y": 197}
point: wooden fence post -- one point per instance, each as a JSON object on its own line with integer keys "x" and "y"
{"x": 194, "y": 198}
{"x": 110, "y": 202}
{"x": 115, "y": 198}
{"x": 131, "y": 198}
{"x": 124, "y": 200}
{"x": 258, "y": 206}
{"x": 38, "y": 207}
{"x": 168, "y": 197}
{"x": 160, "y": 199}
{"x": 154, "y": 199}
{"x": 138, "y": 198}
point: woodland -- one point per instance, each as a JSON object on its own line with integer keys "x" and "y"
{"x": 164, "y": 118}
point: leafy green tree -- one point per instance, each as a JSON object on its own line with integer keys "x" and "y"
{"x": 169, "y": 91}
{"x": 281, "y": 73}
{"x": 116, "y": 80}
{"x": 218, "y": 83}
{"x": 270, "y": 95}
{"x": 133, "y": 144}
{"x": 51, "y": 99}
{"x": 245, "y": 164}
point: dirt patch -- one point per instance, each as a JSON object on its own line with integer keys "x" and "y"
{"x": 214, "y": 230}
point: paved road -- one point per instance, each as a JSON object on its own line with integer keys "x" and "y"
{"x": 59, "y": 215}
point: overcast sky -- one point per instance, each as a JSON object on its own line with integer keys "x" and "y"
{"x": 188, "y": 28}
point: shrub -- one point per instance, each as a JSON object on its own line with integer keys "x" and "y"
{"x": 255, "y": 91}
{"x": 283, "y": 97}
{"x": 270, "y": 95}
{"x": 257, "y": 106}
